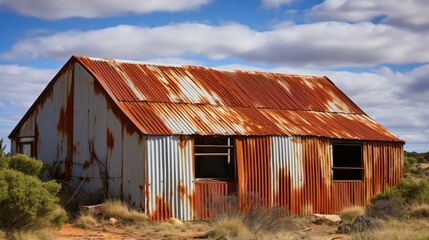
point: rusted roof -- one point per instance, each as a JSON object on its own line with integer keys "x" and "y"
{"x": 197, "y": 100}
{"x": 164, "y": 100}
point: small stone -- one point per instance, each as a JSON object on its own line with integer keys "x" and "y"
{"x": 175, "y": 221}
{"x": 113, "y": 221}
{"x": 327, "y": 219}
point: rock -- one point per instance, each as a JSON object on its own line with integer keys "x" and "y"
{"x": 175, "y": 221}
{"x": 327, "y": 219}
{"x": 113, "y": 221}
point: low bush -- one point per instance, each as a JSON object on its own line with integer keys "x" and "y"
{"x": 4, "y": 162}
{"x": 360, "y": 224}
{"x": 388, "y": 208}
{"x": 28, "y": 203}
{"x": 414, "y": 191}
{"x": 351, "y": 213}
{"x": 26, "y": 165}
{"x": 408, "y": 163}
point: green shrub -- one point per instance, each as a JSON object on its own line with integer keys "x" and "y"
{"x": 414, "y": 191}
{"x": 26, "y": 165}
{"x": 4, "y": 162}
{"x": 411, "y": 191}
{"x": 388, "y": 208}
{"x": 408, "y": 163}
{"x": 28, "y": 203}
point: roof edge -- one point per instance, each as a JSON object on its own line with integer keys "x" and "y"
{"x": 41, "y": 96}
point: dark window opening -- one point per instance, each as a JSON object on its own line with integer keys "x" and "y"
{"x": 348, "y": 163}
{"x": 214, "y": 158}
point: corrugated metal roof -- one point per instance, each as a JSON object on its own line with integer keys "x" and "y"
{"x": 197, "y": 100}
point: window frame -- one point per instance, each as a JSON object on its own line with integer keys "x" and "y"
{"x": 26, "y": 141}
{"x": 230, "y": 155}
{"x": 361, "y": 169}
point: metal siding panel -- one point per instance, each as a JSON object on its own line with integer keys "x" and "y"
{"x": 170, "y": 175}
{"x": 56, "y": 111}
{"x": 209, "y": 197}
{"x": 255, "y": 165}
{"x": 133, "y": 175}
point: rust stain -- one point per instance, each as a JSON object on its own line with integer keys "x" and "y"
{"x": 231, "y": 102}
{"x": 162, "y": 210}
{"x": 147, "y": 198}
{"x": 182, "y": 190}
{"x": 110, "y": 139}
{"x": 65, "y": 125}
{"x": 282, "y": 194}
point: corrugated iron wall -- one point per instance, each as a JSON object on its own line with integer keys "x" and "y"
{"x": 170, "y": 175}
{"x": 254, "y": 168}
{"x": 296, "y": 173}
{"x": 208, "y": 197}
{"x": 107, "y": 152}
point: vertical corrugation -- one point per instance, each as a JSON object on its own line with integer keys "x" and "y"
{"x": 170, "y": 191}
{"x": 384, "y": 163}
{"x": 256, "y": 164}
{"x": 209, "y": 197}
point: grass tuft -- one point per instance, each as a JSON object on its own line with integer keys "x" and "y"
{"x": 42, "y": 234}
{"x": 120, "y": 211}
{"x": 420, "y": 211}
{"x": 86, "y": 221}
{"x": 351, "y": 213}
{"x": 231, "y": 228}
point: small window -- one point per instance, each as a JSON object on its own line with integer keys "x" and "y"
{"x": 348, "y": 164}
{"x": 214, "y": 158}
{"x": 26, "y": 148}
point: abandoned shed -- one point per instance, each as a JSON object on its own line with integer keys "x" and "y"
{"x": 169, "y": 139}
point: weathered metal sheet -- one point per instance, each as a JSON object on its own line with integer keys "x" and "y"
{"x": 195, "y": 100}
{"x": 254, "y": 168}
{"x": 53, "y": 130}
{"x": 210, "y": 198}
{"x": 189, "y": 119}
{"x": 108, "y": 154}
{"x": 296, "y": 173}
{"x": 131, "y": 81}
{"x": 170, "y": 188}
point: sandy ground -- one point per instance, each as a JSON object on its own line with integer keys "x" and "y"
{"x": 69, "y": 231}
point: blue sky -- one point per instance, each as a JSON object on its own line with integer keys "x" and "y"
{"x": 374, "y": 50}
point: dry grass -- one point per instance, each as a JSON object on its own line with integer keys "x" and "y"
{"x": 351, "y": 213}
{"x": 87, "y": 221}
{"x": 420, "y": 211}
{"x": 43, "y": 234}
{"x": 231, "y": 228}
{"x": 395, "y": 229}
{"x": 120, "y": 211}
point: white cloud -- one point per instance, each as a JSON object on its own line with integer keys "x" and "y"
{"x": 396, "y": 100}
{"x": 406, "y": 13}
{"x": 327, "y": 44}
{"x": 275, "y": 3}
{"x": 20, "y": 87}
{"x": 60, "y": 9}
